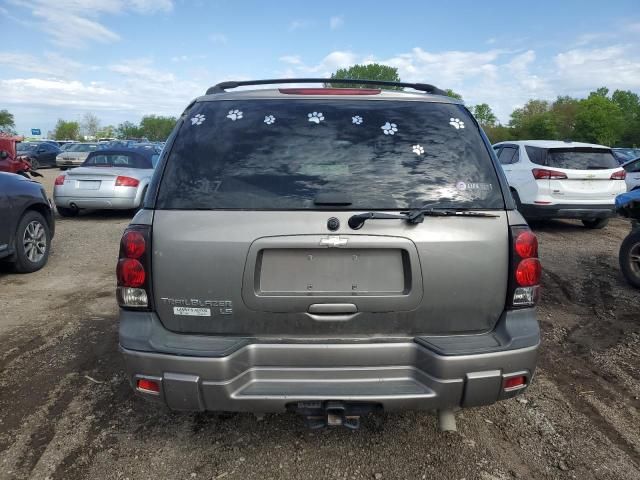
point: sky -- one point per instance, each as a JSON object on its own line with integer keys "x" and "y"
{"x": 122, "y": 59}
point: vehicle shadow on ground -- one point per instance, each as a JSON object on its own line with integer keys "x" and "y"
{"x": 88, "y": 215}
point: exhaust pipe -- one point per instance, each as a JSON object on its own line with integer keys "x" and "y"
{"x": 74, "y": 206}
{"x": 447, "y": 421}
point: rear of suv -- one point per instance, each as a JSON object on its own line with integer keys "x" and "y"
{"x": 329, "y": 252}
{"x": 556, "y": 179}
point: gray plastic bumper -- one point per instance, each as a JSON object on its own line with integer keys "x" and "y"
{"x": 260, "y": 375}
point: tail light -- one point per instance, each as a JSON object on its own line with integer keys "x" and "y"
{"x": 127, "y": 182}
{"x": 545, "y": 174}
{"x": 330, "y": 91}
{"x": 59, "y": 180}
{"x": 619, "y": 175}
{"x": 134, "y": 268}
{"x": 525, "y": 269}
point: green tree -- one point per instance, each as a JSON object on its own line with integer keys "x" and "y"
{"x": 371, "y": 71}
{"x": 484, "y": 115}
{"x": 66, "y": 130}
{"x": 108, "y": 131}
{"x": 156, "y": 128}
{"x": 599, "y": 120}
{"x": 563, "y": 112}
{"x": 452, "y": 94}
{"x": 90, "y": 125}
{"x": 533, "y": 121}
{"x": 128, "y": 130}
{"x": 6, "y": 121}
{"x": 629, "y": 104}
{"x": 499, "y": 133}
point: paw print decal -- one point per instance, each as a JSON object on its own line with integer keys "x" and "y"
{"x": 357, "y": 120}
{"x": 456, "y": 123}
{"x": 316, "y": 117}
{"x": 234, "y": 115}
{"x": 418, "y": 149}
{"x": 269, "y": 119}
{"x": 389, "y": 128}
{"x": 198, "y": 119}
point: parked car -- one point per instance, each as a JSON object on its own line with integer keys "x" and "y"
{"x": 27, "y": 225}
{"x": 108, "y": 179}
{"x": 633, "y": 174}
{"x": 75, "y": 155}
{"x": 329, "y": 252}
{"x": 625, "y": 155}
{"x": 40, "y": 154}
{"x": 556, "y": 179}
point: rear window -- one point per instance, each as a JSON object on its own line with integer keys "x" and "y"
{"x": 130, "y": 160}
{"x": 573, "y": 158}
{"x": 274, "y": 154}
{"x": 82, "y": 147}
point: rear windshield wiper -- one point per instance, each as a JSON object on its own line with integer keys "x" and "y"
{"x": 414, "y": 216}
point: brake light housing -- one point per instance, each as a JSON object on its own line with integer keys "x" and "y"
{"x": 330, "y": 91}
{"x": 133, "y": 270}
{"x": 546, "y": 174}
{"x": 122, "y": 181}
{"x": 619, "y": 175}
{"x": 525, "y": 270}
{"x": 59, "y": 180}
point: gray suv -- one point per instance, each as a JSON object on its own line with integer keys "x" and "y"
{"x": 329, "y": 252}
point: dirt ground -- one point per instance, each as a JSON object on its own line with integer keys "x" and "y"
{"x": 66, "y": 411}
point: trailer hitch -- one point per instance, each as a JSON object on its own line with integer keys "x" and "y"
{"x": 333, "y": 413}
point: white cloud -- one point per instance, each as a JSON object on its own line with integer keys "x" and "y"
{"x": 219, "y": 38}
{"x": 50, "y": 64}
{"x": 581, "y": 70}
{"x": 336, "y": 22}
{"x": 291, "y": 59}
{"x": 298, "y": 24}
{"x": 75, "y": 23}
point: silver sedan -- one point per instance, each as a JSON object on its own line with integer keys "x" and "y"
{"x": 75, "y": 155}
{"x": 108, "y": 179}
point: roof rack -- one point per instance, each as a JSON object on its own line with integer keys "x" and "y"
{"x": 423, "y": 87}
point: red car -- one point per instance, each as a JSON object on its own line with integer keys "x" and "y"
{"x": 9, "y": 159}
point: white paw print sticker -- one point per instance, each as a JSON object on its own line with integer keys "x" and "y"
{"x": 456, "y": 123}
{"x": 418, "y": 149}
{"x": 316, "y": 117}
{"x": 198, "y": 119}
{"x": 234, "y": 115}
{"x": 389, "y": 128}
{"x": 269, "y": 119}
{"x": 357, "y": 120}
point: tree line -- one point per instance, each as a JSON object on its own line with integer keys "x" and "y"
{"x": 155, "y": 128}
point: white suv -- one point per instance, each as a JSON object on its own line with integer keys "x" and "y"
{"x": 556, "y": 179}
{"x": 633, "y": 174}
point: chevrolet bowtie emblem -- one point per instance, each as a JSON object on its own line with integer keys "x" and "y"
{"x": 333, "y": 242}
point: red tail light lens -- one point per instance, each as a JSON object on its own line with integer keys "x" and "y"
{"x": 59, "y": 180}
{"x": 515, "y": 382}
{"x": 330, "y": 91}
{"x": 527, "y": 245}
{"x": 545, "y": 174}
{"x": 127, "y": 182}
{"x": 148, "y": 386}
{"x": 134, "y": 244}
{"x": 130, "y": 273}
{"x": 619, "y": 175}
{"x": 528, "y": 272}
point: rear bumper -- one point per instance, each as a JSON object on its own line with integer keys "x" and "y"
{"x": 262, "y": 375}
{"x": 116, "y": 203}
{"x": 578, "y": 211}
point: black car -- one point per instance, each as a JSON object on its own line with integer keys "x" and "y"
{"x": 27, "y": 225}
{"x": 39, "y": 153}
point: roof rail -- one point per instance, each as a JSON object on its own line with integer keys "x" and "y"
{"x": 423, "y": 87}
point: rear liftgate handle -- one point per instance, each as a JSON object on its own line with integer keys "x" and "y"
{"x": 334, "y": 312}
